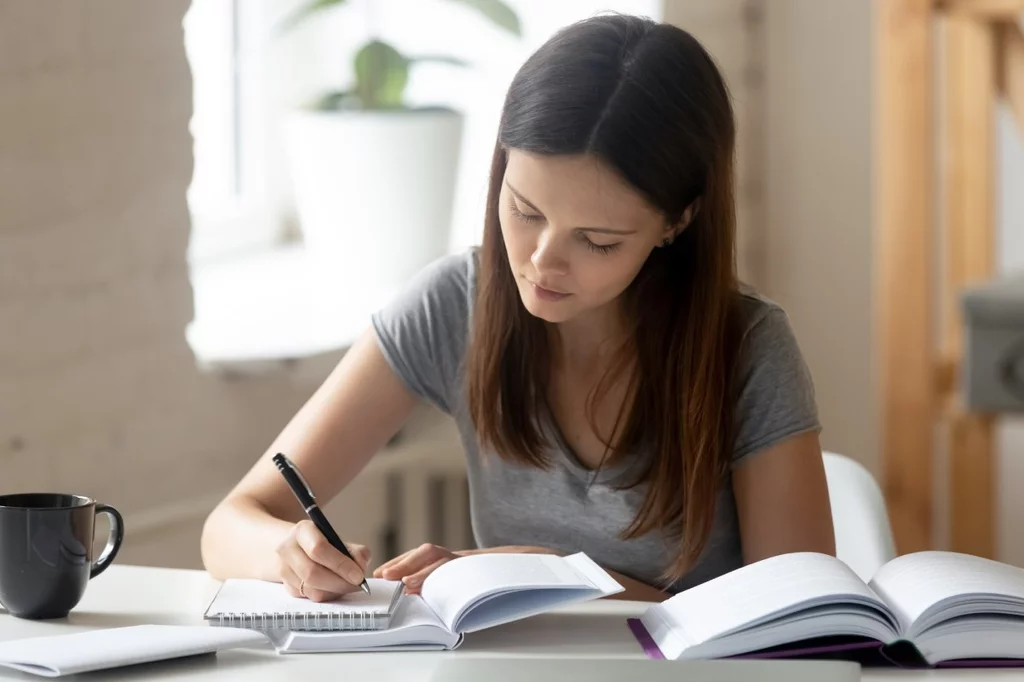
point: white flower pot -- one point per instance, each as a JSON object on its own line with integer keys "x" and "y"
{"x": 374, "y": 192}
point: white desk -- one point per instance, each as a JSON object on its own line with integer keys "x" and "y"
{"x": 132, "y": 595}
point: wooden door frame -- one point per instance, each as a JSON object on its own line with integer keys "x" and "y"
{"x": 983, "y": 58}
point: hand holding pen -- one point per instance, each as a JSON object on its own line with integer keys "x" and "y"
{"x": 317, "y": 564}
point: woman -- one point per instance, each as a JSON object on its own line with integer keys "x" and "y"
{"x": 615, "y": 390}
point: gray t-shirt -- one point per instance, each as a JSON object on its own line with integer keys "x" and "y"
{"x": 424, "y": 334}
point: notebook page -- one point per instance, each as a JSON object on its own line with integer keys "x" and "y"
{"x": 463, "y": 581}
{"x": 757, "y": 592}
{"x": 913, "y": 583}
{"x": 247, "y": 596}
{"x": 67, "y": 654}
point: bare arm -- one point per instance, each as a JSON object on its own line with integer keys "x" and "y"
{"x": 782, "y": 500}
{"x": 636, "y": 590}
{"x": 351, "y": 416}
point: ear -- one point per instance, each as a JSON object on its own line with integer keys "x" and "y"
{"x": 684, "y": 221}
{"x": 688, "y": 215}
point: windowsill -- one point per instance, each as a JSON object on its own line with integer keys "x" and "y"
{"x": 263, "y": 308}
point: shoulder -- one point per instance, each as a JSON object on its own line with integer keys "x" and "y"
{"x": 762, "y": 323}
{"x": 774, "y": 388}
{"x": 457, "y": 270}
{"x": 423, "y": 331}
{"x": 451, "y": 276}
{"x": 440, "y": 295}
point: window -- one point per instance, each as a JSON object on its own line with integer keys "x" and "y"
{"x": 248, "y": 77}
{"x": 228, "y": 195}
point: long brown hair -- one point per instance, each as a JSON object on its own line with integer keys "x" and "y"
{"x": 648, "y": 100}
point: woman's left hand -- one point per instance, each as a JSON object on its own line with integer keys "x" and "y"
{"x": 413, "y": 567}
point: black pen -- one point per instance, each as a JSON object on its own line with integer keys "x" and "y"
{"x": 305, "y": 496}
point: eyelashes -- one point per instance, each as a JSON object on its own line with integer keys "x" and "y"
{"x": 526, "y": 218}
{"x": 600, "y": 248}
{"x": 532, "y": 218}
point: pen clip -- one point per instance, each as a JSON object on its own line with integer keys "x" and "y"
{"x": 298, "y": 474}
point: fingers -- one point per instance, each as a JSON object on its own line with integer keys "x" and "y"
{"x": 311, "y": 574}
{"x": 312, "y": 568}
{"x": 414, "y": 582}
{"x": 406, "y": 563}
{"x": 413, "y": 562}
{"x": 387, "y": 569}
{"x": 316, "y": 547}
{"x": 362, "y": 555}
{"x": 297, "y": 587}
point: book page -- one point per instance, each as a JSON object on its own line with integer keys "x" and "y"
{"x": 461, "y": 582}
{"x": 764, "y": 590}
{"x": 913, "y": 584}
{"x": 415, "y": 626}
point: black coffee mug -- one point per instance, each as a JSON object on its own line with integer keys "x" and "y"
{"x": 46, "y": 551}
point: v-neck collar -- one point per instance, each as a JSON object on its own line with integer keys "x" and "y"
{"x": 566, "y": 455}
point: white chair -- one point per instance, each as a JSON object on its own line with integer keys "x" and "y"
{"x": 864, "y": 539}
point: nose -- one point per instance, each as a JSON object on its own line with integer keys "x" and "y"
{"x": 548, "y": 257}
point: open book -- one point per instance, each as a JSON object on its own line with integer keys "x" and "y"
{"x": 923, "y": 609}
{"x": 464, "y": 595}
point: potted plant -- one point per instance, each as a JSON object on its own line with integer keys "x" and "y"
{"x": 373, "y": 177}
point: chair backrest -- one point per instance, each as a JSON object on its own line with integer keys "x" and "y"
{"x": 864, "y": 539}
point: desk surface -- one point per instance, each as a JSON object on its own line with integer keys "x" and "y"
{"x": 133, "y": 595}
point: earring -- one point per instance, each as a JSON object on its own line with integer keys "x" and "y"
{"x": 666, "y": 241}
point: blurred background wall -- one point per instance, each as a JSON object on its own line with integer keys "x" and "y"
{"x": 160, "y": 320}
{"x": 821, "y": 255}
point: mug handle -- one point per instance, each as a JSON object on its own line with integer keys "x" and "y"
{"x": 113, "y": 540}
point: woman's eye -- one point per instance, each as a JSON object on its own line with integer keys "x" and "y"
{"x": 601, "y": 248}
{"x": 533, "y": 217}
{"x": 525, "y": 217}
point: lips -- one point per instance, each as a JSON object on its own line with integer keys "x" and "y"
{"x": 547, "y": 294}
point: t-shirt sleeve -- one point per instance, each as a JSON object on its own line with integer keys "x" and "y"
{"x": 422, "y": 332}
{"x": 776, "y": 394}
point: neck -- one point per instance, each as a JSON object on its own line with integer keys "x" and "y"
{"x": 589, "y": 340}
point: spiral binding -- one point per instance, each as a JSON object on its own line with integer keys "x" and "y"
{"x": 332, "y": 621}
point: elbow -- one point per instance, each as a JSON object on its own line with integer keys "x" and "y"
{"x": 211, "y": 545}
{"x": 237, "y": 540}
{"x": 818, "y": 538}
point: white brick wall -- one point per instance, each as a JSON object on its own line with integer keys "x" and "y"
{"x": 99, "y": 393}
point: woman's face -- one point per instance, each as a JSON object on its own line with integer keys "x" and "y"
{"x": 575, "y": 232}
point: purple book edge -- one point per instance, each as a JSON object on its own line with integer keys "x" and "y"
{"x": 650, "y": 648}
{"x": 645, "y": 639}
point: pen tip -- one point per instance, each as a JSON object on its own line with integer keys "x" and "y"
{"x": 365, "y": 587}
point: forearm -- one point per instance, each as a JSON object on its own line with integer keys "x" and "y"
{"x": 636, "y": 590}
{"x": 240, "y": 540}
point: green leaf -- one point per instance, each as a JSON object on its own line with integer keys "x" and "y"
{"x": 498, "y": 12}
{"x": 381, "y": 75}
{"x": 305, "y": 11}
{"x": 438, "y": 59}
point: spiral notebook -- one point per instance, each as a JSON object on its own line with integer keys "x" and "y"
{"x": 263, "y": 605}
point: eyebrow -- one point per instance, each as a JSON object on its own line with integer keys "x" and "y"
{"x": 599, "y": 230}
